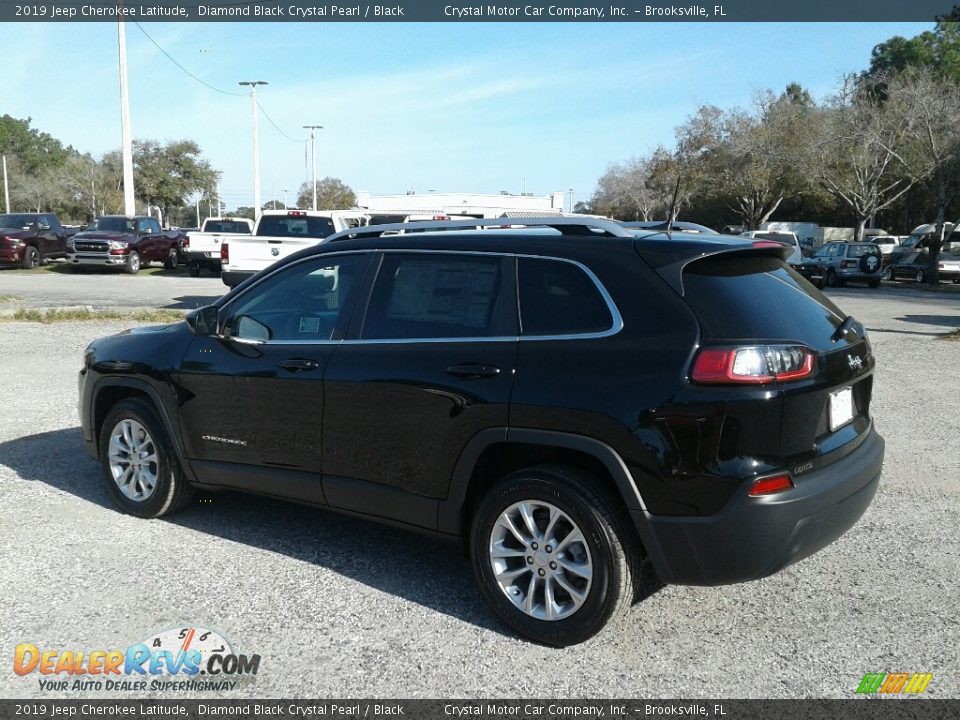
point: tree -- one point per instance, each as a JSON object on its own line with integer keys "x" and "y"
{"x": 858, "y": 156}
{"x": 276, "y": 205}
{"x": 622, "y": 191}
{"x": 934, "y": 101}
{"x": 166, "y": 175}
{"x": 332, "y": 194}
{"x": 937, "y": 50}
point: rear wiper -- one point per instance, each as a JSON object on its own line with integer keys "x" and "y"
{"x": 848, "y": 324}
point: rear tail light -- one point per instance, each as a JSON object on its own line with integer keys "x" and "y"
{"x": 224, "y": 253}
{"x": 296, "y": 213}
{"x": 752, "y": 365}
{"x": 767, "y": 244}
{"x": 186, "y": 242}
{"x": 770, "y": 485}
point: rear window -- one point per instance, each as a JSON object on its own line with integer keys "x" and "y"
{"x": 293, "y": 226}
{"x": 856, "y": 251}
{"x": 558, "y": 298}
{"x": 226, "y": 226}
{"x": 758, "y": 299}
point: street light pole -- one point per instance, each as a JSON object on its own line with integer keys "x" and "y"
{"x": 129, "y": 205}
{"x": 256, "y": 145}
{"x": 313, "y": 157}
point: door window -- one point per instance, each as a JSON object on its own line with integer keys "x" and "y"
{"x": 302, "y": 303}
{"x": 436, "y": 296}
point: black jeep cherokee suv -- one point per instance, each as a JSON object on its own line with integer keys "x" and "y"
{"x": 574, "y": 401}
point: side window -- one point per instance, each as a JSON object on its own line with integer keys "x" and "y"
{"x": 558, "y": 298}
{"x": 427, "y": 295}
{"x": 303, "y": 302}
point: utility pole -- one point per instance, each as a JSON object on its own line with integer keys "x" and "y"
{"x": 256, "y": 145}
{"x": 6, "y": 186}
{"x": 284, "y": 191}
{"x": 313, "y": 157}
{"x": 129, "y": 205}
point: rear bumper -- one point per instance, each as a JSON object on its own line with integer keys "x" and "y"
{"x": 210, "y": 257}
{"x": 232, "y": 278}
{"x": 753, "y": 537}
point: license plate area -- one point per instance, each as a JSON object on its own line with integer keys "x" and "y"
{"x": 841, "y": 408}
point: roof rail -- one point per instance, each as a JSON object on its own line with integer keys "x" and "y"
{"x": 565, "y": 225}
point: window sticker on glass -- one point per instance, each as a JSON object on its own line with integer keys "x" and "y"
{"x": 310, "y": 325}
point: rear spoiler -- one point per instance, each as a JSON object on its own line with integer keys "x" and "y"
{"x": 670, "y": 257}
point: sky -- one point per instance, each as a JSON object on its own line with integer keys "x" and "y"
{"x": 473, "y": 107}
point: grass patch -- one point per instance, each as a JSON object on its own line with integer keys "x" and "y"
{"x": 85, "y": 315}
{"x": 953, "y": 335}
{"x": 8, "y": 298}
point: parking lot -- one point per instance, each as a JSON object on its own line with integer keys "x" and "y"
{"x": 340, "y": 607}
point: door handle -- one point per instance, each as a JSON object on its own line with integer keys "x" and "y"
{"x": 298, "y": 364}
{"x": 473, "y": 370}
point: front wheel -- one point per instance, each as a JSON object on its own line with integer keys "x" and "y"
{"x": 133, "y": 263}
{"x": 888, "y": 273}
{"x": 554, "y": 554}
{"x": 874, "y": 283}
{"x": 920, "y": 276}
{"x": 31, "y": 258}
{"x": 139, "y": 464}
{"x": 831, "y": 278}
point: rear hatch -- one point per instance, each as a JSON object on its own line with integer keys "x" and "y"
{"x": 815, "y": 362}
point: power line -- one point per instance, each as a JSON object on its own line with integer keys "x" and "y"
{"x": 199, "y": 80}
{"x": 277, "y": 127}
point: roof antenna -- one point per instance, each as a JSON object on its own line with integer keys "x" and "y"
{"x": 673, "y": 205}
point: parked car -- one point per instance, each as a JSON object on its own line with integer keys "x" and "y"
{"x": 917, "y": 267}
{"x": 29, "y": 239}
{"x": 786, "y": 237}
{"x": 677, "y": 226}
{"x": 124, "y": 242}
{"x": 886, "y": 243}
{"x": 578, "y": 405}
{"x": 203, "y": 247}
{"x": 920, "y": 239}
{"x": 837, "y": 263}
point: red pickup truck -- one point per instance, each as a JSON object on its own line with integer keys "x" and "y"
{"x": 125, "y": 242}
{"x": 28, "y": 239}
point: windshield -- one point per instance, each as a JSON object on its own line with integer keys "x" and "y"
{"x": 20, "y": 221}
{"x": 112, "y": 224}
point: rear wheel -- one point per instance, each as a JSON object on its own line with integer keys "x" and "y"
{"x": 139, "y": 464}
{"x": 194, "y": 269}
{"x": 171, "y": 262}
{"x": 31, "y": 258}
{"x": 133, "y": 263}
{"x": 888, "y": 273}
{"x": 554, "y": 554}
{"x": 831, "y": 278}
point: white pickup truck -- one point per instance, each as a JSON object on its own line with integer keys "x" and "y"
{"x": 280, "y": 233}
{"x": 203, "y": 248}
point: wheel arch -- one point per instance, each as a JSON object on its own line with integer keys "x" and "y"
{"x": 493, "y": 453}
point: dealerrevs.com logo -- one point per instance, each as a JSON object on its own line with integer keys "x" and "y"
{"x": 894, "y": 684}
{"x": 185, "y": 658}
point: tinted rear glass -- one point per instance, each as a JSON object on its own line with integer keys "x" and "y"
{"x": 292, "y": 226}
{"x": 855, "y": 251}
{"x": 758, "y": 299}
{"x": 226, "y": 226}
{"x": 558, "y": 298}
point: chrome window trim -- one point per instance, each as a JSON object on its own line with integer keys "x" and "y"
{"x": 616, "y": 326}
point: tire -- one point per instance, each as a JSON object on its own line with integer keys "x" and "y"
{"x": 31, "y": 258}
{"x": 155, "y": 488}
{"x": 133, "y": 263}
{"x": 610, "y": 548}
{"x": 874, "y": 283}
{"x": 194, "y": 269}
{"x": 171, "y": 262}
{"x": 920, "y": 276}
{"x": 888, "y": 273}
{"x": 831, "y": 278}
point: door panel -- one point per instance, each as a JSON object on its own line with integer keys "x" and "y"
{"x": 401, "y": 401}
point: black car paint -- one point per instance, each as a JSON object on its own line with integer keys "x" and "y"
{"x": 404, "y": 436}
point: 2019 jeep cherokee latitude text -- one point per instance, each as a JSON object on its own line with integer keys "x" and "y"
{"x": 577, "y": 403}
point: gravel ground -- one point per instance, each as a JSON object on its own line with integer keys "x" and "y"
{"x": 339, "y": 607}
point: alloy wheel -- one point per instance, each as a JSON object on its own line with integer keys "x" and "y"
{"x": 541, "y": 560}
{"x": 133, "y": 460}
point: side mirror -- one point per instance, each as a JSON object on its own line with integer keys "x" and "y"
{"x": 205, "y": 321}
